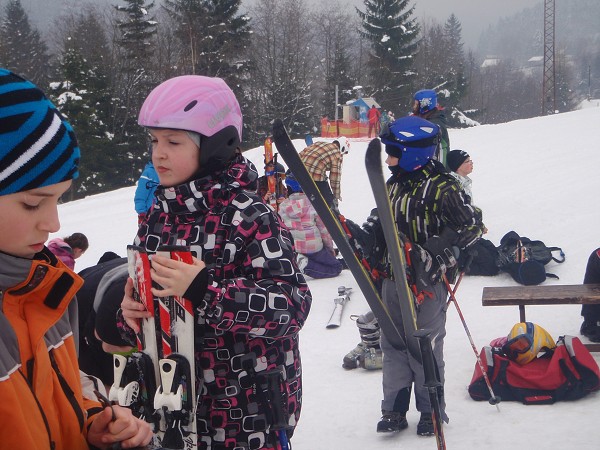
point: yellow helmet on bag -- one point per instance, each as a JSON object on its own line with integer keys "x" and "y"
{"x": 525, "y": 341}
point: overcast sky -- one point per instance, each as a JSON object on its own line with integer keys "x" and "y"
{"x": 474, "y": 15}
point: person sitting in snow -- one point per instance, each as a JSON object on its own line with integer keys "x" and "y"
{"x": 70, "y": 248}
{"x": 316, "y": 255}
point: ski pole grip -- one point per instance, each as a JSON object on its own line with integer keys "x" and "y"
{"x": 429, "y": 366}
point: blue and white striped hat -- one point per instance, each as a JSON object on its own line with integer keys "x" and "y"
{"x": 37, "y": 145}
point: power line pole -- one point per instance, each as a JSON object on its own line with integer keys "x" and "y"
{"x": 548, "y": 84}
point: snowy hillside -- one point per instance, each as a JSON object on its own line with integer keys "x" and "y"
{"x": 537, "y": 177}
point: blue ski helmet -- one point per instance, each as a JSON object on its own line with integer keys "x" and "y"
{"x": 411, "y": 139}
{"x": 292, "y": 183}
{"x": 425, "y": 101}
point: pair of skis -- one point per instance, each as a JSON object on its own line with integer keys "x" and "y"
{"x": 158, "y": 382}
{"x": 401, "y": 335}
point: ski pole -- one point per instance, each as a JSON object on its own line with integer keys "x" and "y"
{"x": 461, "y": 275}
{"x": 494, "y": 400}
{"x": 433, "y": 386}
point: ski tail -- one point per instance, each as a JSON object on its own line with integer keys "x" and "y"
{"x": 395, "y": 248}
{"x": 433, "y": 386}
{"x": 139, "y": 271}
{"x": 332, "y": 223}
{"x": 176, "y": 395}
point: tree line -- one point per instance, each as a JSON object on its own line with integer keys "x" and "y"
{"x": 283, "y": 58}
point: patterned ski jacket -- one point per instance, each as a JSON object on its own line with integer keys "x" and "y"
{"x": 308, "y": 230}
{"x": 256, "y": 303}
{"x": 426, "y": 201}
{"x": 321, "y": 158}
{"x": 42, "y": 406}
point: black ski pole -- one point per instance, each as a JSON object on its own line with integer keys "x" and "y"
{"x": 494, "y": 400}
{"x": 271, "y": 383}
{"x": 433, "y": 386}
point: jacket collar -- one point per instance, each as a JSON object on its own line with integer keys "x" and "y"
{"x": 210, "y": 192}
{"x": 14, "y": 270}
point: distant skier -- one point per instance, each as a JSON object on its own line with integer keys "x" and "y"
{"x": 425, "y": 105}
{"x": 324, "y": 163}
{"x": 373, "y": 116}
{"x": 431, "y": 211}
{"x": 270, "y": 186}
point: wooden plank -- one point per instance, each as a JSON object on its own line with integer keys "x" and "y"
{"x": 541, "y": 295}
{"x": 593, "y": 347}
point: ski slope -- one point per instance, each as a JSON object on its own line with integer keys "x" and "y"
{"x": 537, "y": 177}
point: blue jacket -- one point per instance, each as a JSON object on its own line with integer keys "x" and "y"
{"x": 144, "y": 193}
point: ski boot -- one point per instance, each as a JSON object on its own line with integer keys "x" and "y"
{"x": 392, "y": 422}
{"x": 367, "y": 354}
{"x": 425, "y": 425}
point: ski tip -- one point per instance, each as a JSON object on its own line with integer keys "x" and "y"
{"x": 373, "y": 150}
{"x": 332, "y": 326}
{"x": 277, "y": 123}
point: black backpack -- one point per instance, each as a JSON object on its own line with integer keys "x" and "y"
{"x": 524, "y": 259}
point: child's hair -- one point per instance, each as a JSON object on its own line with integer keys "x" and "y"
{"x": 38, "y": 147}
{"x": 77, "y": 240}
{"x": 202, "y": 105}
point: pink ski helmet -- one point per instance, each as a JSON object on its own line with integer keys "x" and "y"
{"x": 204, "y": 105}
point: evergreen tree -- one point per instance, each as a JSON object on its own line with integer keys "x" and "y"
{"x": 214, "y": 37}
{"x": 81, "y": 91}
{"x": 23, "y": 50}
{"x": 284, "y": 60}
{"x": 135, "y": 74}
{"x": 455, "y": 72}
{"x": 137, "y": 32}
{"x": 336, "y": 40}
{"x": 393, "y": 35}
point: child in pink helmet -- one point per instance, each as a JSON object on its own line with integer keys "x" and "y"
{"x": 250, "y": 298}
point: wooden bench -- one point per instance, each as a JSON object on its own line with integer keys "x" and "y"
{"x": 576, "y": 294}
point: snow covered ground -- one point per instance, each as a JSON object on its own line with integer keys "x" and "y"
{"x": 538, "y": 177}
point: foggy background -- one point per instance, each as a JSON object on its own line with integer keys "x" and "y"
{"x": 475, "y": 15}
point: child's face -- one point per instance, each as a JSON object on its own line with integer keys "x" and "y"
{"x": 465, "y": 168}
{"x": 392, "y": 161}
{"x": 27, "y": 219}
{"x": 175, "y": 156}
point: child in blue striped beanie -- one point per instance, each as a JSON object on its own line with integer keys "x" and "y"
{"x": 39, "y": 373}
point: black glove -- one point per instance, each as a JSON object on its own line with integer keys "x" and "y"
{"x": 444, "y": 255}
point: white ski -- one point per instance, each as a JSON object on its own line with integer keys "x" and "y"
{"x": 339, "y": 302}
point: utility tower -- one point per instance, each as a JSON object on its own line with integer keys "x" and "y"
{"x": 548, "y": 84}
